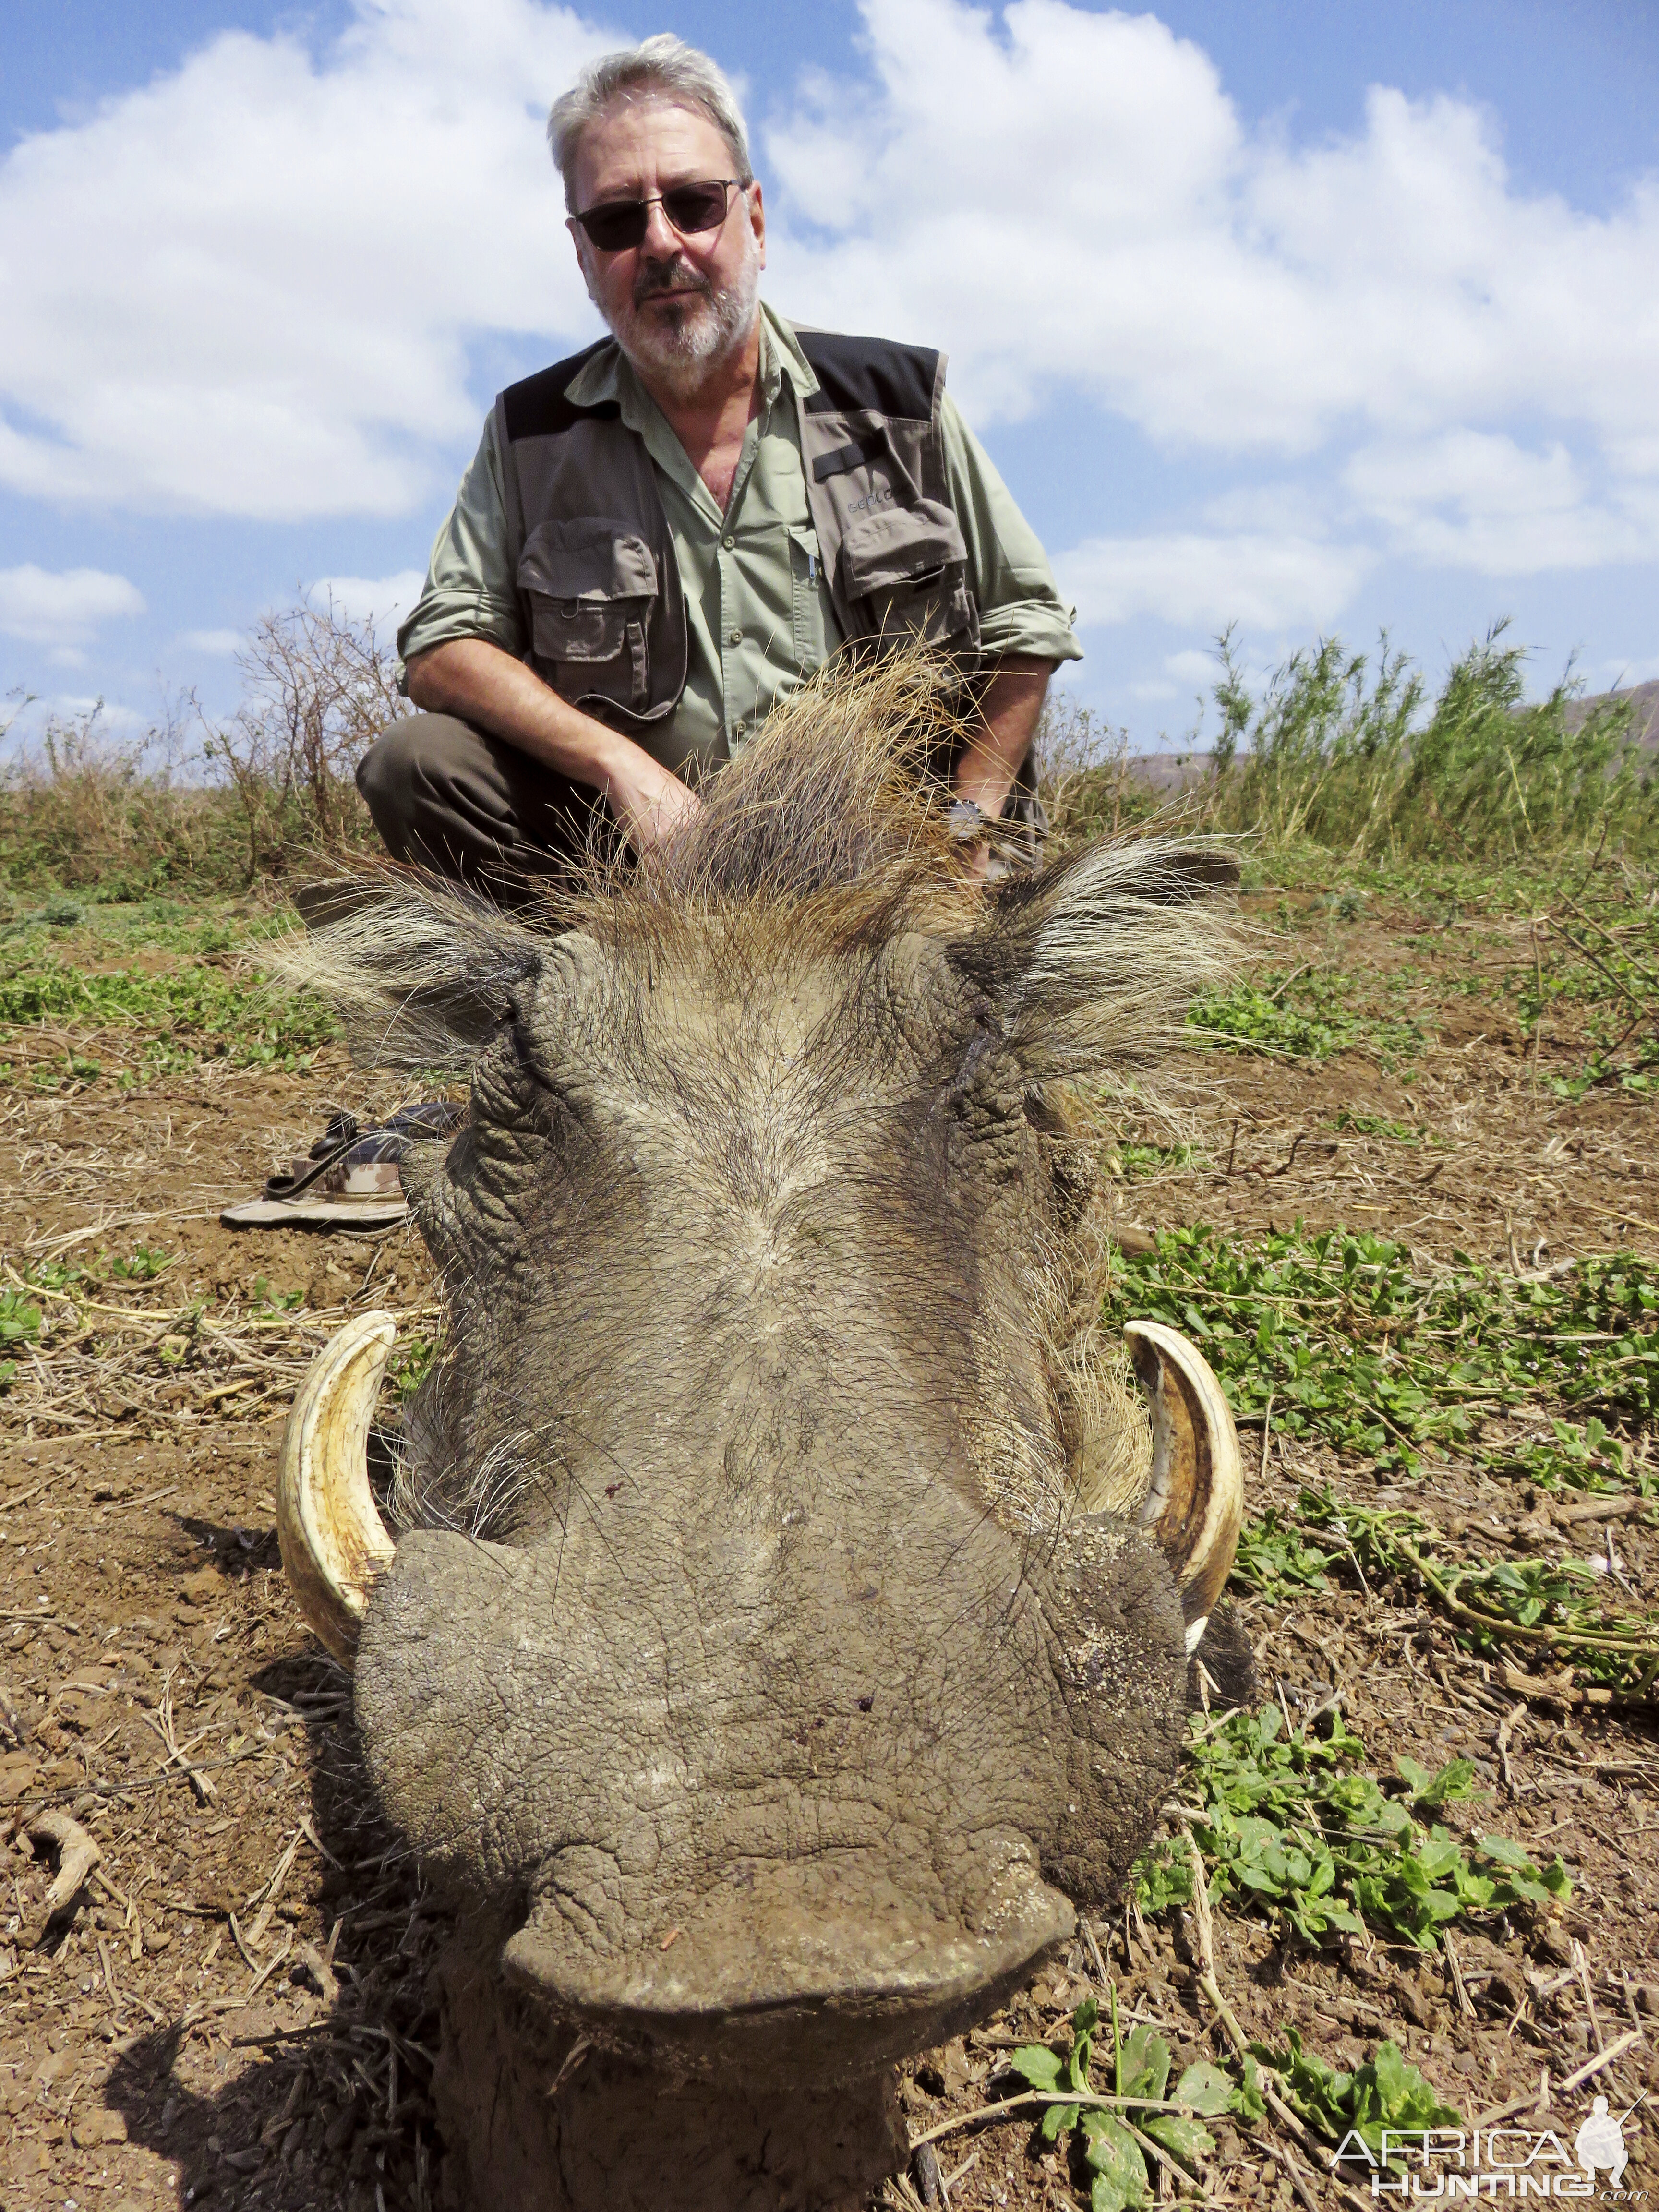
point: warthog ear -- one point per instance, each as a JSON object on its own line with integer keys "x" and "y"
{"x": 420, "y": 972}
{"x": 1092, "y": 962}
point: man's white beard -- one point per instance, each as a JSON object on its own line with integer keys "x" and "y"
{"x": 679, "y": 347}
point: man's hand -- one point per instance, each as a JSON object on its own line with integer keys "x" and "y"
{"x": 648, "y": 799}
{"x": 470, "y": 677}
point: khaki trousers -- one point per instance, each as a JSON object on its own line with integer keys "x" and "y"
{"x": 450, "y": 798}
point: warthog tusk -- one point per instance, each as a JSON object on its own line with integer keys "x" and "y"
{"x": 334, "y": 1541}
{"x": 1196, "y": 1500}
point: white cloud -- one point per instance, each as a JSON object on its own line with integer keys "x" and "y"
{"x": 383, "y": 600}
{"x": 248, "y": 287}
{"x": 62, "y": 609}
{"x": 1069, "y": 199}
{"x": 213, "y": 644}
{"x": 1200, "y": 668}
{"x": 1470, "y": 499}
{"x": 105, "y": 721}
{"x": 1267, "y": 583}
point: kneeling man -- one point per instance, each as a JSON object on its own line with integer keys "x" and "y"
{"x": 664, "y": 535}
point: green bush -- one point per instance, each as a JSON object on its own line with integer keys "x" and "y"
{"x": 1341, "y": 752}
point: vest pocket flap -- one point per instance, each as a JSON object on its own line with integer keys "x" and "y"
{"x": 587, "y": 581}
{"x": 892, "y": 547}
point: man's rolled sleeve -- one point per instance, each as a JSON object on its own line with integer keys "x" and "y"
{"x": 470, "y": 590}
{"x": 1020, "y": 609}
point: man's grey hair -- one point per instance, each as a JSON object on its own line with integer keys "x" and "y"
{"x": 664, "y": 64}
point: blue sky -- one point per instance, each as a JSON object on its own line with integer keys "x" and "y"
{"x": 1317, "y": 317}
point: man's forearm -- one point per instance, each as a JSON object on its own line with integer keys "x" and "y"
{"x": 1008, "y": 713}
{"x": 472, "y": 678}
{"x": 476, "y": 680}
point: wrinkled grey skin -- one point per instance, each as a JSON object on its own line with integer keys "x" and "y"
{"x": 745, "y": 1666}
{"x": 741, "y": 1283}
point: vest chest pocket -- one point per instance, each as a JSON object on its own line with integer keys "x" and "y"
{"x": 906, "y": 570}
{"x": 590, "y": 588}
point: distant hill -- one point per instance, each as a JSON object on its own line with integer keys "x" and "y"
{"x": 1646, "y": 698}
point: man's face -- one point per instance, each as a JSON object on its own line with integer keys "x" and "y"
{"x": 678, "y": 305}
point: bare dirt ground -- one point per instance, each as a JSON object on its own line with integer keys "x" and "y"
{"x": 235, "y": 2012}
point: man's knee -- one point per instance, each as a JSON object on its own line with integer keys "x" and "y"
{"x": 412, "y": 765}
{"x": 393, "y": 764}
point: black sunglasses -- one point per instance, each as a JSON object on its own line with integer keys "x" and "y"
{"x": 616, "y": 225}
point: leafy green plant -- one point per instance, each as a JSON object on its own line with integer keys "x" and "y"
{"x": 19, "y": 1323}
{"x": 1287, "y": 1821}
{"x": 1383, "y": 2093}
{"x": 1115, "y": 2141}
{"x": 1132, "y": 1161}
{"x": 58, "y": 1275}
{"x": 20, "y": 1317}
{"x": 75, "y": 1278}
{"x": 142, "y": 1265}
{"x": 1577, "y": 1458}
{"x": 277, "y": 1301}
{"x": 1556, "y": 1613}
{"x": 182, "y": 1019}
{"x": 411, "y": 1362}
{"x": 1347, "y": 1343}
{"x": 1376, "y": 1125}
{"x": 1272, "y": 1560}
{"x": 1305, "y": 1016}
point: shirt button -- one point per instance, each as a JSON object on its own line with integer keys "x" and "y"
{"x": 737, "y": 637}
{"x": 728, "y": 542}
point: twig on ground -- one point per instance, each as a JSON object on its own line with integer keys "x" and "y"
{"x": 199, "y": 1782}
{"x": 1029, "y": 2100}
{"x": 1211, "y": 1988}
{"x": 1592, "y": 2066}
{"x": 1581, "y": 1967}
{"x": 1464, "y": 2004}
{"x": 78, "y": 1855}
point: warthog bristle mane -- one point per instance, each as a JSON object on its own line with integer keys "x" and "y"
{"x": 829, "y": 831}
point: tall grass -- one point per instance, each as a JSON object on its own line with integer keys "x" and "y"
{"x": 1338, "y": 749}
{"x": 1349, "y": 754}
{"x": 84, "y": 812}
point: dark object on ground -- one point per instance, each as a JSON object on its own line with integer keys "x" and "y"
{"x": 351, "y": 1177}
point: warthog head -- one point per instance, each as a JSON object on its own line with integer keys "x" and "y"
{"x": 748, "y": 1647}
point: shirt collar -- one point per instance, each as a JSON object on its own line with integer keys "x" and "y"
{"x": 609, "y": 375}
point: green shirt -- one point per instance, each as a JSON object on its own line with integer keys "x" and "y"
{"x": 758, "y": 609}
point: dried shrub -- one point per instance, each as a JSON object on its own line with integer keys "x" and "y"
{"x": 319, "y": 689}
{"x": 83, "y": 810}
{"x": 235, "y": 799}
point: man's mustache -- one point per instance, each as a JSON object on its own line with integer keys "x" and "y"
{"x": 657, "y": 277}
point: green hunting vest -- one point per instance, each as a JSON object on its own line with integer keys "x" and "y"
{"x": 594, "y": 560}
